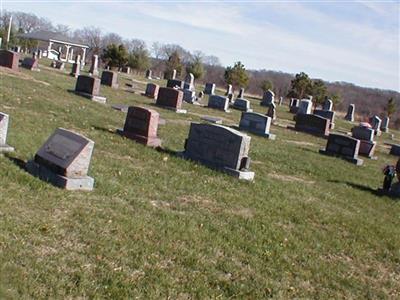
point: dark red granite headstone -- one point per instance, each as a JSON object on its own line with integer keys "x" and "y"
{"x": 170, "y": 98}
{"x": 9, "y": 59}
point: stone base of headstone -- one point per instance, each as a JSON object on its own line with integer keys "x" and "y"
{"x": 30, "y": 64}
{"x": 6, "y": 148}
{"x": 147, "y": 141}
{"x": 213, "y": 120}
{"x": 239, "y": 174}
{"x": 356, "y": 161}
{"x": 83, "y": 183}
{"x": 178, "y": 111}
{"x": 99, "y": 99}
{"x": 120, "y": 107}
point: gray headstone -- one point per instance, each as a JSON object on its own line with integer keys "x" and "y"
{"x": 242, "y": 104}
{"x": 190, "y": 81}
{"x": 241, "y": 93}
{"x": 218, "y": 102}
{"x": 209, "y": 89}
{"x": 4, "y": 119}
{"x": 343, "y": 146}
{"x": 256, "y": 123}
{"x": 305, "y": 106}
{"x": 385, "y": 124}
{"x": 312, "y": 124}
{"x": 363, "y": 133}
{"x": 64, "y": 160}
{"x": 375, "y": 122}
{"x": 350, "y": 113}
{"x": 229, "y": 90}
{"x": 326, "y": 114}
{"x": 219, "y": 147}
{"x": 148, "y": 74}
{"x": 272, "y": 111}
{"x": 328, "y": 105}
{"x": 173, "y": 74}
{"x": 268, "y": 98}
{"x": 189, "y": 96}
{"x": 94, "y": 68}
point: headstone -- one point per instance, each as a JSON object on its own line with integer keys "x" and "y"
{"x": 241, "y": 93}
{"x": 343, "y": 146}
{"x": 218, "y": 102}
{"x": 328, "y": 105}
{"x": 171, "y": 99}
{"x": 228, "y": 90}
{"x": 272, "y": 111}
{"x": 256, "y": 123}
{"x": 9, "y": 59}
{"x": 242, "y": 104}
{"x": 189, "y": 96}
{"x": 89, "y": 87}
{"x": 268, "y": 98}
{"x": 209, "y": 89}
{"x": 395, "y": 150}
{"x": 57, "y": 65}
{"x": 230, "y": 98}
{"x": 173, "y": 74}
{"x": 328, "y": 114}
{"x": 64, "y": 161}
{"x": 76, "y": 67}
{"x": 350, "y": 113}
{"x": 375, "y": 122}
{"x": 31, "y": 63}
{"x": 126, "y": 70}
{"x": 201, "y": 95}
{"x": 109, "y": 78}
{"x": 294, "y": 105}
{"x": 312, "y": 124}
{"x": 305, "y": 106}
{"x": 152, "y": 90}
{"x": 280, "y": 101}
{"x": 219, "y": 147}
{"x": 95, "y": 65}
{"x": 141, "y": 125}
{"x": 174, "y": 83}
{"x": 148, "y": 74}
{"x": 4, "y": 120}
{"x": 189, "y": 81}
{"x": 214, "y": 120}
{"x": 385, "y": 124}
{"x": 366, "y": 137}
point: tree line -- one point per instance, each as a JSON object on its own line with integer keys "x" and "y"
{"x": 116, "y": 51}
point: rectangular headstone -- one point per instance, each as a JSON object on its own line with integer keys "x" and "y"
{"x": 312, "y": 124}
{"x": 170, "y": 98}
{"x": 89, "y": 87}
{"x": 363, "y": 133}
{"x": 9, "y": 59}
{"x": 174, "y": 83}
{"x": 189, "y": 96}
{"x": 141, "y": 125}
{"x": 268, "y": 98}
{"x": 109, "y": 78}
{"x": 219, "y": 147}
{"x": 350, "y": 113}
{"x": 30, "y": 63}
{"x": 343, "y": 146}
{"x": 395, "y": 150}
{"x": 209, "y": 89}
{"x": 330, "y": 115}
{"x": 242, "y": 104}
{"x": 64, "y": 160}
{"x": 152, "y": 90}
{"x": 305, "y": 106}
{"x": 4, "y": 119}
{"x": 218, "y": 102}
{"x": 256, "y": 123}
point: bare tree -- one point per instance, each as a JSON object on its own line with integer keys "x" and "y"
{"x": 92, "y": 36}
{"x": 111, "y": 38}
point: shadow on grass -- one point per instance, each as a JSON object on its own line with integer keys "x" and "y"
{"x": 365, "y": 189}
{"x": 17, "y": 161}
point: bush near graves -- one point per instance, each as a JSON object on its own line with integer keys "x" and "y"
{"x": 236, "y": 75}
{"x": 115, "y": 56}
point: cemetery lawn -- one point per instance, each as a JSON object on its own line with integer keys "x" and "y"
{"x": 157, "y": 226}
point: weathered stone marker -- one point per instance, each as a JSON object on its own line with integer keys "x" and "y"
{"x": 350, "y": 113}
{"x": 76, "y": 67}
{"x": 327, "y": 114}
{"x": 209, "y": 89}
{"x": 228, "y": 90}
{"x": 376, "y": 122}
{"x": 241, "y": 93}
{"x": 171, "y": 99}
{"x": 94, "y": 68}
{"x": 268, "y": 98}
{"x": 218, "y": 102}
{"x": 189, "y": 96}
{"x": 64, "y": 161}
{"x": 4, "y": 120}
{"x": 148, "y": 74}
{"x": 89, "y": 87}
{"x": 174, "y": 83}
{"x": 343, "y": 146}
{"x": 272, "y": 111}
{"x": 110, "y": 78}
{"x": 294, "y": 105}
{"x": 141, "y": 125}
{"x": 328, "y": 105}
{"x": 312, "y": 124}
{"x": 189, "y": 82}
{"x": 242, "y": 104}
{"x": 219, "y": 147}
{"x": 366, "y": 136}
{"x": 256, "y": 123}
{"x": 385, "y": 124}
{"x": 305, "y": 106}
{"x": 152, "y": 90}
{"x": 31, "y": 63}
{"x": 9, "y": 59}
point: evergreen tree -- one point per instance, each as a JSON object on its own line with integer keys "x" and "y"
{"x": 173, "y": 63}
{"x": 236, "y": 75}
{"x": 115, "y": 56}
{"x": 300, "y": 86}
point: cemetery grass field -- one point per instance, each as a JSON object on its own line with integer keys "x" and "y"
{"x": 157, "y": 226}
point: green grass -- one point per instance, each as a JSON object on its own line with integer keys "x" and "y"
{"x": 157, "y": 226}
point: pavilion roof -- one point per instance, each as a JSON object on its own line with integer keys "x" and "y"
{"x": 50, "y": 36}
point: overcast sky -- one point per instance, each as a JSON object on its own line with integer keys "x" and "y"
{"x": 355, "y": 41}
